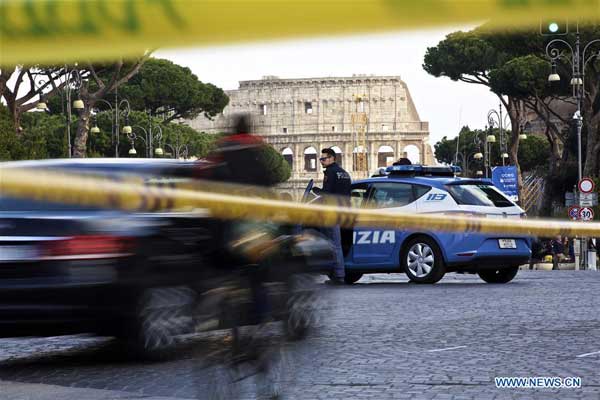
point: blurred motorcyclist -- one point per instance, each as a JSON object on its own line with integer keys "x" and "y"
{"x": 238, "y": 157}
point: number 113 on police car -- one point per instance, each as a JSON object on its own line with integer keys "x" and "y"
{"x": 507, "y": 243}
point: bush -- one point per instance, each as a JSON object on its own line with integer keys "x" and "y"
{"x": 43, "y": 136}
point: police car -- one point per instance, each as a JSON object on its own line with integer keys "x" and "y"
{"x": 426, "y": 255}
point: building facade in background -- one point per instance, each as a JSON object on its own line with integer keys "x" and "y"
{"x": 299, "y": 117}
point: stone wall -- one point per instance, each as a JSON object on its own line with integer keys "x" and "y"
{"x": 299, "y": 117}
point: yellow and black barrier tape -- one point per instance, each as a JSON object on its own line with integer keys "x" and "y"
{"x": 58, "y": 31}
{"x": 130, "y": 196}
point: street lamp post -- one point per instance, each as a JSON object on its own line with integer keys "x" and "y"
{"x": 487, "y": 140}
{"x": 73, "y": 83}
{"x": 121, "y": 108}
{"x": 132, "y": 138}
{"x": 495, "y": 118}
{"x": 475, "y": 155}
{"x": 148, "y": 139}
{"x": 578, "y": 61}
{"x": 178, "y": 150}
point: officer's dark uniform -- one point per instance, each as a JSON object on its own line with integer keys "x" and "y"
{"x": 337, "y": 183}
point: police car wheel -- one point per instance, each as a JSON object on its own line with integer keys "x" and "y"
{"x": 422, "y": 261}
{"x": 503, "y": 275}
{"x": 352, "y": 277}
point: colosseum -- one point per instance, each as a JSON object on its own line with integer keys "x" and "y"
{"x": 370, "y": 121}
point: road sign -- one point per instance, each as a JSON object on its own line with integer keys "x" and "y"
{"x": 586, "y": 199}
{"x": 586, "y": 185}
{"x": 505, "y": 179}
{"x": 586, "y": 214}
{"x": 574, "y": 213}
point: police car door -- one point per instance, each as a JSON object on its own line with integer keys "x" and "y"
{"x": 381, "y": 247}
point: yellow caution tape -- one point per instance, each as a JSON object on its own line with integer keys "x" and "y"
{"x": 72, "y": 189}
{"x": 56, "y": 31}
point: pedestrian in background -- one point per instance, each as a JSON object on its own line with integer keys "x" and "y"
{"x": 403, "y": 161}
{"x": 558, "y": 249}
{"x": 336, "y": 188}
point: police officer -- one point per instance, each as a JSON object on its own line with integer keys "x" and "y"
{"x": 336, "y": 186}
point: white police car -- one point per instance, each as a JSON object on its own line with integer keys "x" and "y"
{"x": 426, "y": 255}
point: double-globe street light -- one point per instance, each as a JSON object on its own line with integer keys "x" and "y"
{"x": 463, "y": 158}
{"x": 476, "y": 155}
{"x": 152, "y": 134}
{"x": 578, "y": 61}
{"x": 73, "y": 84}
{"x": 496, "y": 119}
{"x": 486, "y": 143}
{"x": 179, "y": 149}
{"x": 120, "y": 109}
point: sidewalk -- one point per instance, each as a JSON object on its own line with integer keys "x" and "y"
{"x": 36, "y": 391}
{"x": 545, "y": 266}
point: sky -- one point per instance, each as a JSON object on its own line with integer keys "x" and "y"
{"x": 446, "y": 104}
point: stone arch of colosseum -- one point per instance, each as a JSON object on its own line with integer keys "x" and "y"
{"x": 386, "y": 155}
{"x": 310, "y": 156}
{"x": 304, "y": 157}
{"x": 298, "y": 131}
{"x": 414, "y": 152}
{"x": 288, "y": 155}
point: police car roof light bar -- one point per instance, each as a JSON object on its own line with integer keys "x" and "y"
{"x": 423, "y": 170}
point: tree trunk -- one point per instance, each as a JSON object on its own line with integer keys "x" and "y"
{"x": 514, "y": 154}
{"x": 591, "y": 114}
{"x": 554, "y": 164}
{"x": 591, "y": 167}
{"x": 13, "y": 109}
{"x": 515, "y": 109}
{"x": 16, "y": 117}
{"x": 83, "y": 127}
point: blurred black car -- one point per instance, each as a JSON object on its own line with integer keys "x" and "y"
{"x": 68, "y": 269}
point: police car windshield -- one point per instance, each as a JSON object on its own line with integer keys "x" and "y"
{"x": 478, "y": 195}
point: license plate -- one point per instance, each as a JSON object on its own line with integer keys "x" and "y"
{"x": 507, "y": 243}
{"x": 17, "y": 253}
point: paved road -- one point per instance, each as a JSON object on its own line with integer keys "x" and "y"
{"x": 382, "y": 338}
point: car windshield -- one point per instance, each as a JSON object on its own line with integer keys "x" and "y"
{"x": 478, "y": 195}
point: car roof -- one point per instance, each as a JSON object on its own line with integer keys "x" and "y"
{"x": 437, "y": 182}
{"x": 141, "y": 165}
{"x": 90, "y": 161}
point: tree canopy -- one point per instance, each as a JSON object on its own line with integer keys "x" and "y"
{"x": 165, "y": 88}
{"x": 533, "y": 151}
{"x": 515, "y": 66}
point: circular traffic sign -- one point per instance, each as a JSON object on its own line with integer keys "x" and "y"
{"x": 586, "y": 185}
{"x": 574, "y": 213}
{"x": 586, "y": 214}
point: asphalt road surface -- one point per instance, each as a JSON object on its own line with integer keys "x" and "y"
{"x": 383, "y": 338}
